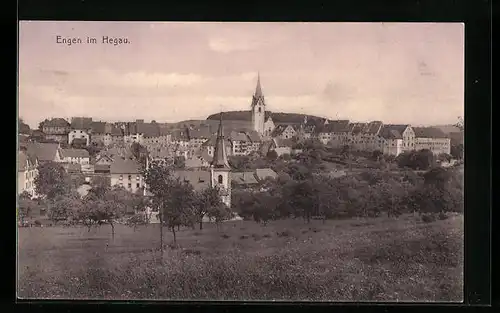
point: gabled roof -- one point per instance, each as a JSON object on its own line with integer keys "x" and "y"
{"x": 392, "y": 131}
{"x": 253, "y": 136}
{"x": 81, "y": 123}
{"x": 180, "y": 134}
{"x": 148, "y": 129}
{"x": 43, "y": 151}
{"x": 115, "y": 131}
{"x": 244, "y": 178}
{"x": 198, "y": 179}
{"x": 74, "y": 153}
{"x": 98, "y": 127}
{"x": 200, "y": 133}
{"x": 102, "y": 168}
{"x": 238, "y": 136}
{"x": 56, "y": 122}
{"x": 278, "y": 131}
{"x": 373, "y": 127}
{"x": 429, "y": 132}
{"x": 24, "y": 129}
{"x": 263, "y": 173}
{"x": 25, "y": 160}
{"x": 125, "y": 166}
{"x": 337, "y": 126}
{"x": 357, "y": 128}
{"x": 283, "y": 143}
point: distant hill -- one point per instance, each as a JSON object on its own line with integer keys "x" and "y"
{"x": 447, "y": 129}
{"x": 278, "y": 117}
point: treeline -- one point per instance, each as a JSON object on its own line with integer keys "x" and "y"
{"x": 278, "y": 117}
{"x": 368, "y": 194}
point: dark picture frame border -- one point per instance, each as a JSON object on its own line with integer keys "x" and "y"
{"x": 475, "y": 14}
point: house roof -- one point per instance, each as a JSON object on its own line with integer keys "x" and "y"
{"x": 238, "y": 136}
{"x": 278, "y": 130}
{"x": 72, "y": 167}
{"x": 392, "y": 131}
{"x": 148, "y": 129}
{"x": 81, "y": 123}
{"x": 373, "y": 127}
{"x": 102, "y": 168}
{"x": 266, "y": 146}
{"x": 336, "y": 126}
{"x": 98, "y": 127}
{"x": 200, "y": 133}
{"x": 125, "y": 166}
{"x": 198, "y": 179}
{"x": 43, "y": 151}
{"x": 244, "y": 178}
{"x": 161, "y": 153}
{"x": 25, "y": 160}
{"x": 263, "y": 173}
{"x": 116, "y": 131}
{"x": 56, "y": 122}
{"x": 253, "y": 136}
{"x": 196, "y": 161}
{"x": 180, "y": 134}
{"x": 24, "y": 128}
{"x": 74, "y": 153}
{"x": 429, "y": 132}
{"x": 281, "y": 142}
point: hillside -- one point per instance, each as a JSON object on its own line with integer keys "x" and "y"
{"x": 278, "y": 117}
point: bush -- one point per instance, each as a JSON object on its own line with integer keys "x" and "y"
{"x": 285, "y": 233}
{"x": 428, "y": 218}
{"x": 225, "y": 236}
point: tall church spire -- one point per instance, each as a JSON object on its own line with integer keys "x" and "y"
{"x": 220, "y": 157}
{"x": 258, "y": 89}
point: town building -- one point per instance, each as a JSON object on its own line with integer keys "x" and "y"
{"x": 81, "y": 128}
{"x": 285, "y": 131}
{"x": 44, "y": 152}
{"x": 75, "y": 156}
{"x": 396, "y": 139}
{"x": 27, "y": 171}
{"x": 433, "y": 139}
{"x": 334, "y": 133}
{"x": 56, "y": 129}
{"x": 126, "y": 173}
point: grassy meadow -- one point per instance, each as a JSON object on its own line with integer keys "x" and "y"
{"x": 385, "y": 259}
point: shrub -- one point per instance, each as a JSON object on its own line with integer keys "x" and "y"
{"x": 442, "y": 216}
{"x": 267, "y": 236}
{"x": 285, "y": 233}
{"x": 244, "y": 237}
{"x": 225, "y": 236}
{"x": 428, "y": 218}
{"x": 256, "y": 237}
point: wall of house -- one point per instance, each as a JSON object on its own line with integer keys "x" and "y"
{"x": 393, "y": 147}
{"x": 26, "y": 181}
{"x": 77, "y": 160}
{"x": 283, "y": 150}
{"x": 408, "y": 139}
{"x": 269, "y": 127}
{"x": 131, "y": 182}
{"x": 78, "y": 134}
{"x": 436, "y": 145}
{"x": 57, "y": 138}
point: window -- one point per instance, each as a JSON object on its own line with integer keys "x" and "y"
{"x": 137, "y": 177}
{"x": 260, "y": 110}
{"x": 129, "y": 185}
{"x": 138, "y": 185}
{"x": 121, "y": 177}
{"x": 129, "y": 177}
{"x": 220, "y": 179}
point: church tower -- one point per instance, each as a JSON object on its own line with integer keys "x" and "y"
{"x": 220, "y": 171}
{"x": 258, "y": 108}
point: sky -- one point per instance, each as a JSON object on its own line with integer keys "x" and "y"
{"x": 393, "y": 72}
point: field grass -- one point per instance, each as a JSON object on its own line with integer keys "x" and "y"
{"x": 385, "y": 259}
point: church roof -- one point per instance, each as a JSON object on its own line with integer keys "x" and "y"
{"x": 220, "y": 156}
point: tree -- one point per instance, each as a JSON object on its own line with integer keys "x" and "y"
{"x": 272, "y": 155}
{"x": 65, "y": 206}
{"x": 377, "y": 155}
{"x": 219, "y": 214}
{"x": 207, "y": 199}
{"x": 460, "y": 123}
{"x": 264, "y": 207}
{"x": 179, "y": 210}
{"x": 179, "y": 162}
{"x": 139, "y": 152}
{"x": 26, "y": 206}
{"x": 52, "y": 180}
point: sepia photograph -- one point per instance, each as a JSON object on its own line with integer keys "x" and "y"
{"x": 240, "y": 161}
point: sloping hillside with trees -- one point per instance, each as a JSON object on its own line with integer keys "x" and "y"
{"x": 278, "y": 117}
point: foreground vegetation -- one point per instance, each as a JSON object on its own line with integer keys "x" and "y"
{"x": 392, "y": 259}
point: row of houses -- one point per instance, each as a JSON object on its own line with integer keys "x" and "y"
{"x": 391, "y": 139}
